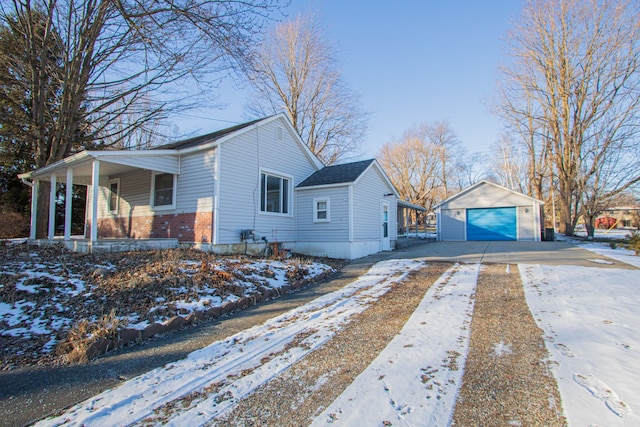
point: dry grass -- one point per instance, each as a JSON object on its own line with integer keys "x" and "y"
{"x": 507, "y": 380}
{"x": 83, "y": 333}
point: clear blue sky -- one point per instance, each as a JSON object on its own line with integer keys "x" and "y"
{"x": 411, "y": 62}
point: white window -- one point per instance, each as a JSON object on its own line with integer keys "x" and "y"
{"x": 321, "y": 210}
{"x": 114, "y": 196}
{"x": 163, "y": 191}
{"x": 275, "y": 193}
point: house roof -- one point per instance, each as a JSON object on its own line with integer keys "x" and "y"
{"x": 164, "y": 158}
{"x": 205, "y": 139}
{"x": 337, "y": 174}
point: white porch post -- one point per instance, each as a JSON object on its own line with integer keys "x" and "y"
{"x": 52, "y": 207}
{"x": 34, "y": 208}
{"x": 95, "y": 182}
{"x": 68, "y": 201}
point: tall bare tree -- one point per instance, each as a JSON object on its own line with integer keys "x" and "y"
{"x": 510, "y": 165}
{"x": 573, "y": 90}
{"x": 296, "y": 71}
{"x": 122, "y": 58}
{"x": 422, "y": 165}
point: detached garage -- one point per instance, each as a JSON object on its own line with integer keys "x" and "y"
{"x": 487, "y": 211}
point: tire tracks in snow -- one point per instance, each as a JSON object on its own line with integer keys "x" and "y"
{"x": 212, "y": 380}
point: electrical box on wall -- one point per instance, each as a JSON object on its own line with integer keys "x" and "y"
{"x": 246, "y": 235}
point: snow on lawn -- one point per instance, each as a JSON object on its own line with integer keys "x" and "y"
{"x": 620, "y": 254}
{"x": 212, "y": 380}
{"x": 415, "y": 379}
{"x": 43, "y": 294}
{"x": 590, "y": 321}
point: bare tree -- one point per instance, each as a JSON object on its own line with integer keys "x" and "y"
{"x": 510, "y": 166}
{"x": 573, "y": 91}
{"x": 122, "y": 58}
{"x": 296, "y": 71}
{"x": 423, "y": 164}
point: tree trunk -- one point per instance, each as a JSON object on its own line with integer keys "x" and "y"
{"x": 590, "y": 224}
{"x": 565, "y": 223}
{"x": 42, "y": 213}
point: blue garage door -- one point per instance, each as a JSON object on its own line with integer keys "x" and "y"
{"x": 491, "y": 224}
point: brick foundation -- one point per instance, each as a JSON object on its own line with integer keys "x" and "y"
{"x": 186, "y": 227}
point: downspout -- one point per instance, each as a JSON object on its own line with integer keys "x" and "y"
{"x": 34, "y": 206}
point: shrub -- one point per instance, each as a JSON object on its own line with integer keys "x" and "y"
{"x": 632, "y": 242}
{"x": 13, "y": 224}
{"x": 83, "y": 333}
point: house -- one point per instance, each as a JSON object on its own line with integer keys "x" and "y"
{"x": 619, "y": 217}
{"x": 487, "y": 211}
{"x": 347, "y": 210}
{"x": 235, "y": 190}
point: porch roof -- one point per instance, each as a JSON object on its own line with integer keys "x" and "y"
{"x": 111, "y": 163}
{"x": 408, "y": 205}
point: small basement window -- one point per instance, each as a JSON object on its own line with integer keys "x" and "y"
{"x": 321, "y": 210}
{"x": 163, "y": 191}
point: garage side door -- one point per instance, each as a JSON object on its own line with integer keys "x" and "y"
{"x": 491, "y": 224}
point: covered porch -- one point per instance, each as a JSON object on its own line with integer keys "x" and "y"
{"x": 406, "y": 212}
{"x": 93, "y": 169}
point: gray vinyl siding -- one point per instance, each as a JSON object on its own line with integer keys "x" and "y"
{"x": 452, "y": 224}
{"x": 241, "y": 160}
{"x": 196, "y": 185}
{"x": 368, "y": 194}
{"x": 337, "y": 229}
{"x": 526, "y": 224}
{"x": 194, "y": 188}
{"x": 135, "y": 192}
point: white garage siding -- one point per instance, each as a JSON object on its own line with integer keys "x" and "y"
{"x": 451, "y": 224}
{"x": 452, "y": 213}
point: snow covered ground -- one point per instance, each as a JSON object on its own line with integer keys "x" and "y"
{"x": 415, "y": 379}
{"x": 231, "y": 369}
{"x": 44, "y": 291}
{"x": 589, "y": 317}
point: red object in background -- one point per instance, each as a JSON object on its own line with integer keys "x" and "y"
{"x": 606, "y": 222}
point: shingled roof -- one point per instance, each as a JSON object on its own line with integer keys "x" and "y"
{"x": 337, "y": 174}
{"x": 205, "y": 139}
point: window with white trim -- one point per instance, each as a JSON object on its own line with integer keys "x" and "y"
{"x": 163, "y": 190}
{"x": 275, "y": 193}
{"x": 321, "y": 210}
{"x": 114, "y": 196}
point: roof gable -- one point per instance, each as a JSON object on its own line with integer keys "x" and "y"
{"x": 487, "y": 183}
{"x": 337, "y": 174}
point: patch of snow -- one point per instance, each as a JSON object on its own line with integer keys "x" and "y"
{"x": 619, "y": 254}
{"x": 600, "y": 261}
{"x": 500, "y": 349}
{"x": 590, "y": 321}
{"x": 416, "y": 378}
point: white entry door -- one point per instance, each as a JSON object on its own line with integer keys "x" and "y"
{"x": 386, "y": 242}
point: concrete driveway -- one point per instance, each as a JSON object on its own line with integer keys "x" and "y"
{"x": 549, "y": 253}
